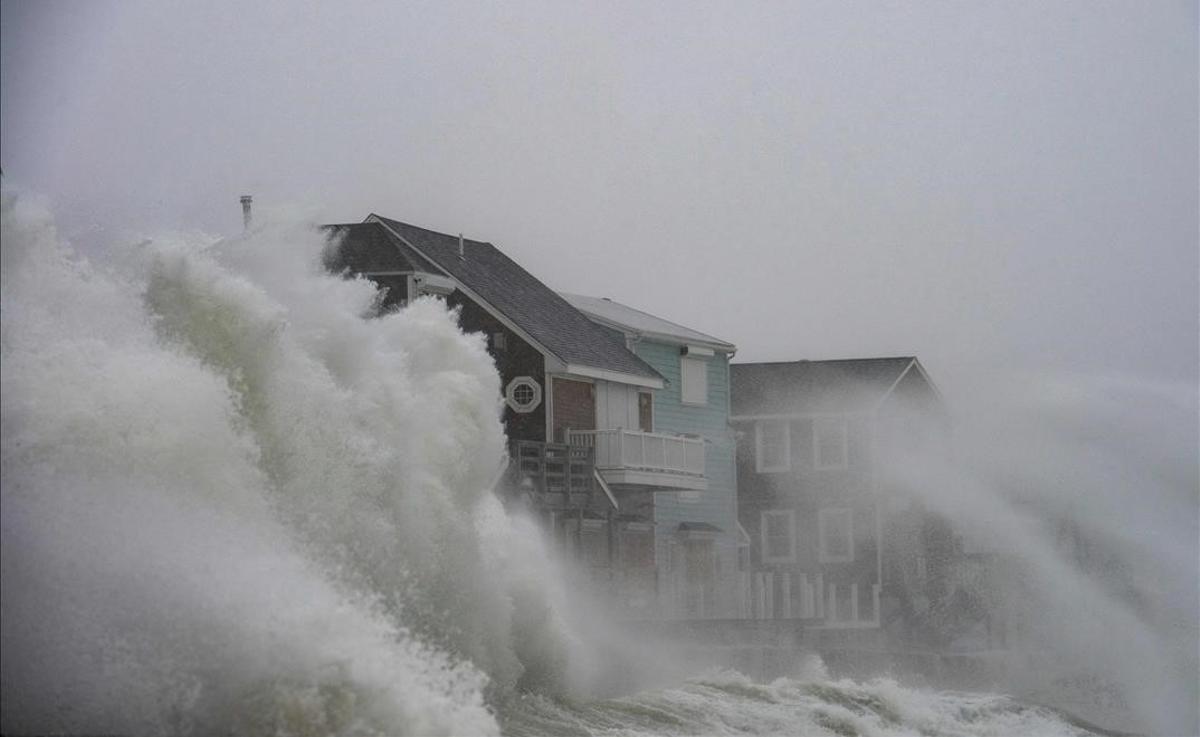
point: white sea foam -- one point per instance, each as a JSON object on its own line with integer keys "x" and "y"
{"x": 1085, "y": 489}
{"x": 230, "y": 502}
{"x": 729, "y": 703}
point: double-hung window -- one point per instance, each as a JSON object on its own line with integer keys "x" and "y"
{"x": 778, "y": 536}
{"x": 772, "y": 446}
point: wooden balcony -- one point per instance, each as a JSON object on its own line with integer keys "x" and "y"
{"x": 631, "y": 458}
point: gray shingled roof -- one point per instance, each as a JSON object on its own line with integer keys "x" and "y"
{"x": 560, "y": 328}
{"x": 799, "y": 387}
{"x": 363, "y": 248}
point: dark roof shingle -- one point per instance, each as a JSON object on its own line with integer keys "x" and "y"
{"x": 364, "y": 248}
{"x": 548, "y": 318}
{"x": 800, "y": 387}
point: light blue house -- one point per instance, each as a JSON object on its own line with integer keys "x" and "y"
{"x": 696, "y": 534}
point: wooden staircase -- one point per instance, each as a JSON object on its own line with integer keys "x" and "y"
{"x": 562, "y": 475}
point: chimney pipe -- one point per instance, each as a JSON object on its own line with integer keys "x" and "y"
{"x": 246, "y": 200}
{"x": 461, "y": 251}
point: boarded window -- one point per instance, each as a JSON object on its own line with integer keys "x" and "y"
{"x": 778, "y": 536}
{"x": 835, "y": 535}
{"x": 829, "y": 435}
{"x": 574, "y": 407}
{"x": 693, "y": 375}
{"x": 773, "y": 446}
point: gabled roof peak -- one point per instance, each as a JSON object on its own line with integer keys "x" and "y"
{"x": 828, "y": 360}
{"x": 502, "y": 286}
{"x": 374, "y": 217}
{"x": 827, "y": 386}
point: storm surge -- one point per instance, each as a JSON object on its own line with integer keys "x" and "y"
{"x": 727, "y": 702}
{"x": 233, "y": 504}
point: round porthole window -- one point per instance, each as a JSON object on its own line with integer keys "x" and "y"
{"x": 523, "y": 394}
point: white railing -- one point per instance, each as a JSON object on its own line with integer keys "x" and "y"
{"x": 781, "y": 594}
{"x": 645, "y": 451}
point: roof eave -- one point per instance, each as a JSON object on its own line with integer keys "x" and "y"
{"x": 620, "y": 377}
{"x": 706, "y": 341}
{"x": 914, "y": 363}
{"x": 879, "y": 403}
{"x": 716, "y": 345}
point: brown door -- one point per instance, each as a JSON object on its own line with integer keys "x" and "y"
{"x": 574, "y": 407}
{"x": 699, "y": 577}
{"x": 645, "y": 413}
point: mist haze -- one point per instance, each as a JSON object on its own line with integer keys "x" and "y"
{"x": 1009, "y": 192}
{"x": 981, "y": 185}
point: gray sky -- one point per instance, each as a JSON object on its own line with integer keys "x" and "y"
{"x": 980, "y": 184}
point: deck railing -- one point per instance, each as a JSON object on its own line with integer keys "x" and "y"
{"x": 554, "y": 467}
{"x": 644, "y": 451}
{"x": 783, "y": 594}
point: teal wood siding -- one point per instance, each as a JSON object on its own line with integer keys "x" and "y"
{"x": 718, "y": 504}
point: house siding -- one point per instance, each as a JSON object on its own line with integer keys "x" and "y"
{"x": 899, "y": 548}
{"x": 717, "y": 505}
{"x": 395, "y": 290}
{"x": 807, "y": 490}
{"x": 517, "y": 358}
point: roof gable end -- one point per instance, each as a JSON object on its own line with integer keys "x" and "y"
{"x": 843, "y": 386}
{"x": 515, "y": 296}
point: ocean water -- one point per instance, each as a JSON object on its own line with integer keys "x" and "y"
{"x": 233, "y": 504}
{"x": 729, "y": 703}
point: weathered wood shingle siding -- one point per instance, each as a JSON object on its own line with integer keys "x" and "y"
{"x": 517, "y": 358}
{"x": 806, "y": 490}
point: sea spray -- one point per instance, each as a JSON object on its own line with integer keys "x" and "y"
{"x": 232, "y": 503}
{"x": 1082, "y": 491}
{"x": 722, "y": 702}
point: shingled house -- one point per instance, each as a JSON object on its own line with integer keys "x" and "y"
{"x": 573, "y": 395}
{"x": 831, "y": 540}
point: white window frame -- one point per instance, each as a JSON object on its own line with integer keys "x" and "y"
{"x": 510, "y": 397}
{"x": 759, "y": 466}
{"x": 823, "y": 521}
{"x": 684, "y": 384}
{"x": 843, "y": 425}
{"x": 790, "y": 514}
